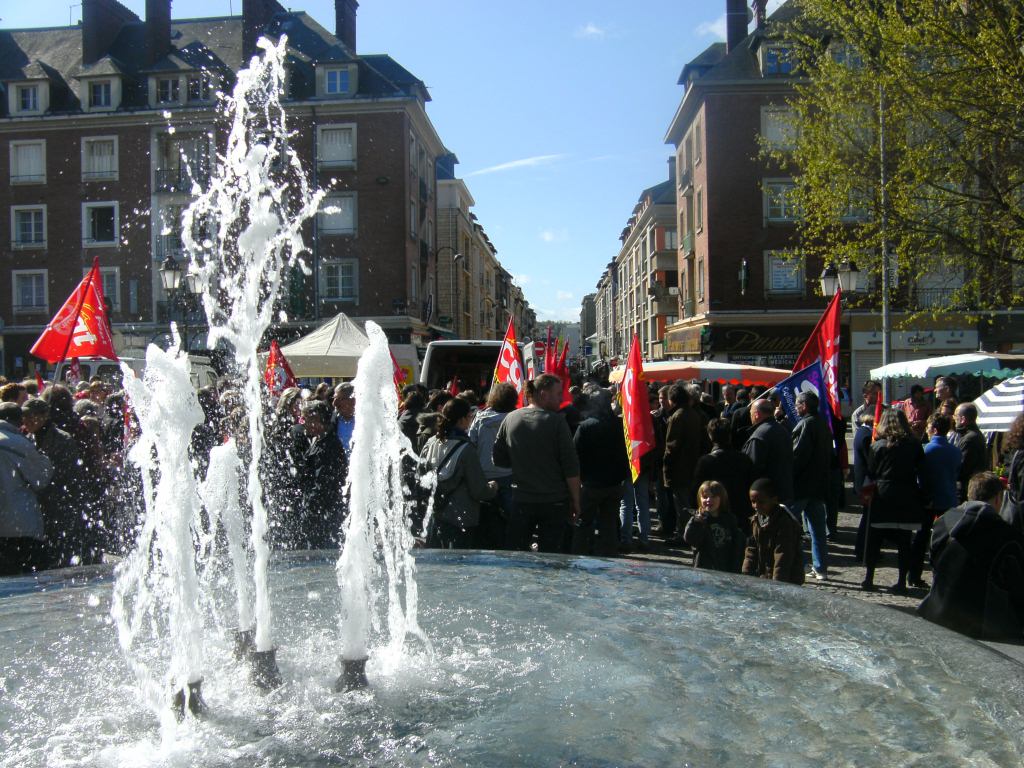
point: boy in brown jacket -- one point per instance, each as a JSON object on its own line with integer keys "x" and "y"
{"x": 773, "y": 551}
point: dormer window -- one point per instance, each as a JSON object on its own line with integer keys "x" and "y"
{"x": 198, "y": 88}
{"x": 28, "y": 98}
{"x": 336, "y": 81}
{"x": 167, "y": 90}
{"x": 100, "y": 94}
{"x": 778, "y": 60}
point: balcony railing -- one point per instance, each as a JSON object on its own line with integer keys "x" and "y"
{"x": 948, "y": 298}
{"x": 689, "y": 309}
{"x": 688, "y": 242}
{"x": 31, "y": 309}
{"x": 168, "y": 245}
{"x": 180, "y": 179}
{"x": 686, "y": 179}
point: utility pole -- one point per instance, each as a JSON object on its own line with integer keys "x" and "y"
{"x": 884, "y": 222}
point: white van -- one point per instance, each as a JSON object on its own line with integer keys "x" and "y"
{"x": 472, "y": 360}
{"x": 110, "y": 370}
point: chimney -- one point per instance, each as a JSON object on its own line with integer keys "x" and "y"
{"x": 102, "y": 21}
{"x": 345, "y": 23}
{"x": 735, "y": 23}
{"x": 256, "y": 15}
{"x": 760, "y": 12}
{"x": 158, "y": 30}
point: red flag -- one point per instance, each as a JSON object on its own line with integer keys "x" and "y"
{"x": 879, "y": 404}
{"x": 81, "y": 327}
{"x": 562, "y": 369}
{"x": 823, "y": 345}
{"x": 509, "y": 368}
{"x": 453, "y": 386}
{"x": 550, "y": 351}
{"x": 397, "y": 375}
{"x": 278, "y": 374}
{"x": 74, "y": 374}
{"x": 637, "y": 423}
{"x": 40, "y": 384}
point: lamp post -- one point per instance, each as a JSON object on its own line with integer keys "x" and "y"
{"x": 171, "y": 279}
{"x": 845, "y": 277}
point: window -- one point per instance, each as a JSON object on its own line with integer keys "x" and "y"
{"x": 847, "y": 55}
{"x": 28, "y": 98}
{"x": 700, "y": 279}
{"x": 858, "y": 206}
{"x": 777, "y": 129}
{"x": 671, "y": 241}
{"x": 784, "y": 274}
{"x": 28, "y": 162}
{"x": 167, "y": 90}
{"x": 99, "y": 158}
{"x": 778, "y": 200}
{"x": 778, "y": 60}
{"x": 938, "y": 287}
{"x": 99, "y": 94}
{"x": 336, "y": 145}
{"x": 28, "y": 226}
{"x": 413, "y": 216}
{"x": 414, "y": 284}
{"x": 198, "y": 88}
{"x": 698, "y": 143}
{"x": 29, "y": 290}
{"x": 336, "y": 81}
{"x": 339, "y": 280}
{"x": 99, "y": 224}
{"x": 342, "y": 218}
{"x": 698, "y": 220}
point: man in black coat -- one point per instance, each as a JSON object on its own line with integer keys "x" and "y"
{"x": 732, "y": 468}
{"x": 968, "y": 438}
{"x": 812, "y": 461}
{"x": 325, "y": 467}
{"x": 770, "y": 448}
{"x": 978, "y": 565}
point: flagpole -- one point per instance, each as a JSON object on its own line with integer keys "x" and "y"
{"x": 78, "y": 310}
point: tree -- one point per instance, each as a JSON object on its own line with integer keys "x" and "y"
{"x": 942, "y": 81}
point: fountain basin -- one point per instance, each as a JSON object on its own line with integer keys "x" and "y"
{"x": 534, "y": 661}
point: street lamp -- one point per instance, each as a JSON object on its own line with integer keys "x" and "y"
{"x": 846, "y": 278}
{"x": 171, "y": 279}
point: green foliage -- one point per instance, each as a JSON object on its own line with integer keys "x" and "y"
{"x": 946, "y": 77}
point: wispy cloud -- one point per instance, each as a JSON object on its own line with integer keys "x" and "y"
{"x": 563, "y": 296}
{"x": 526, "y": 162}
{"x": 590, "y": 31}
{"x": 714, "y": 28}
{"x": 522, "y": 279}
{"x": 554, "y": 235}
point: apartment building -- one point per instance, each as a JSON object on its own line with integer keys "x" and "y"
{"x": 648, "y": 280}
{"x": 109, "y": 125}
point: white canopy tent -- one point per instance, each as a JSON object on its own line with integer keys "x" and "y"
{"x": 333, "y": 349}
{"x": 992, "y": 364}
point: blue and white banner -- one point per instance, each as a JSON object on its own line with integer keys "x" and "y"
{"x": 809, "y": 379}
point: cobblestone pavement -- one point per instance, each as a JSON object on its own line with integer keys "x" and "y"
{"x": 844, "y": 574}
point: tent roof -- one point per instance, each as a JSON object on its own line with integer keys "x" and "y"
{"x": 333, "y": 349}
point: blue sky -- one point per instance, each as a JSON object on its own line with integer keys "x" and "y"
{"x": 555, "y": 109}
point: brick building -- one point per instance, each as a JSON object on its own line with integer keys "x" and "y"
{"x": 106, "y": 125}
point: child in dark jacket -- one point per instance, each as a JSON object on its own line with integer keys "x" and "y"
{"x": 713, "y": 531}
{"x": 773, "y": 551}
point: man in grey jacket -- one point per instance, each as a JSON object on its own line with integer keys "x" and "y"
{"x": 23, "y": 472}
{"x": 812, "y": 458}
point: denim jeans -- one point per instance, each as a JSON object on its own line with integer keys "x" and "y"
{"x": 814, "y": 514}
{"x": 636, "y": 499}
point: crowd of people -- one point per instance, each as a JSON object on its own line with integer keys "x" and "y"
{"x": 732, "y": 480}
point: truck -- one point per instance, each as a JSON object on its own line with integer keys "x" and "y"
{"x": 472, "y": 360}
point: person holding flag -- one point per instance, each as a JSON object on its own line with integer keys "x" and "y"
{"x": 278, "y": 375}
{"x": 638, "y": 431}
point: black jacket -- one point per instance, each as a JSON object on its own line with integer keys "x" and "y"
{"x": 895, "y": 467}
{"x": 971, "y": 443}
{"x": 770, "y": 448}
{"x": 601, "y": 448}
{"x": 978, "y": 562}
{"x": 735, "y": 471}
{"x": 812, "y": 458}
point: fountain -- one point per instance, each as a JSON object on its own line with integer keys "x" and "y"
{"x": 530, "y": 661}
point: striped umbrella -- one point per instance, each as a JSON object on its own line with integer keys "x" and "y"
{"x": 999, "y": 406}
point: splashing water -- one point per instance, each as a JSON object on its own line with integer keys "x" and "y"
{"x": 377, "y": 521}
{"x": 242, "y": 234}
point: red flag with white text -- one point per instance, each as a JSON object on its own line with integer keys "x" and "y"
{"x": 81, "y": 327}
{"x": 562, "y": 370}
{"x": 509, "y": 368}
{"x": 278, "y": 374}
{"x": 637, "y": 423}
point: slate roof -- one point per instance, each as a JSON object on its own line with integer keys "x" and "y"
{"x": 214, "y": 44}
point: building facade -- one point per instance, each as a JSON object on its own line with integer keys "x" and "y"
{"x": 109, "y": 125}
